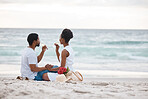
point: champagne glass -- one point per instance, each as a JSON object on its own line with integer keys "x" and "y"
{"x": 58, "y": 43}
{"x": 42, "y": 44}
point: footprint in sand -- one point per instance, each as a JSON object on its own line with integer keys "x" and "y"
{"x": 144, "y": 90}
{"x": 110, "y": 95}
{"x": 114, "y": 91}
{"x": 129, "y": 94}
{"x": 40, "y": 90}
{"x": 80, "y": 91}
{"x": 100, "y": 84}
{"x": 23, "y": 93}
{"x": 7, "y": 83}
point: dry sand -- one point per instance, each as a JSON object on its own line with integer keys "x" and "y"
{"x": 100, "y": 88}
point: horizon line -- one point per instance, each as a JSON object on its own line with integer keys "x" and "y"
{"x": 71, "y": 28}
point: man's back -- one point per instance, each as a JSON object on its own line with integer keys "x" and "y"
{"x": 28, "y": 57}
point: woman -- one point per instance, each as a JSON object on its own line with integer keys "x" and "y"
{"x": 67, "y": 56}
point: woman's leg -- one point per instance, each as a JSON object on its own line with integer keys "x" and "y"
{"x": 45, "y": 77}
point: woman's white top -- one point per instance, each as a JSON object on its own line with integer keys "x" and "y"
{"x": 70, "y": 58}
{"x": 69, "y": 63}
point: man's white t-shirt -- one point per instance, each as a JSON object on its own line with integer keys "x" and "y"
{"x": 28, "y": 57}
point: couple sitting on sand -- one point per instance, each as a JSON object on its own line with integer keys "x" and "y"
{"x": 29, "y": 61}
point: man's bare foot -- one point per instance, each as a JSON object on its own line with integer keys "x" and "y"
{"x": 45, "y": 77}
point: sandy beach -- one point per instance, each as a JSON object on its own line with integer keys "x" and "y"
{"x": 94, "y": 88}
{"x": 114, "y": 63}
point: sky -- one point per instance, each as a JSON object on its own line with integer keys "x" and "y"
{"x": 78, "y": 14}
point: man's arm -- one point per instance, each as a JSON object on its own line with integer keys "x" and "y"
{"x": 40, "y": 56}
{"x": 42, "y": 53}
{"x": 36, "y": 69}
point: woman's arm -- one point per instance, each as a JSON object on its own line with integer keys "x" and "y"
{"x": 57, "y": 51}
{"x": 49, "y": 67}
{"x": 58, "y": 55}
{"x": 53, "y": 69}
{"x": 63, "y": 57}
{"x": 63, "y": 60}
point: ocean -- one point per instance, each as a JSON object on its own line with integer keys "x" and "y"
{"x": 95, "y": 49}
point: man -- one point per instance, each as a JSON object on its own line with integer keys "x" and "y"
{"x": 29, "y": 61}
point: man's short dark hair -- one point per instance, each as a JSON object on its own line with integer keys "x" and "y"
{"x": 31, "y": 37}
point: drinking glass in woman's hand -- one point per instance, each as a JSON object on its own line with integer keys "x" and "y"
{"x": 57, "y": 46}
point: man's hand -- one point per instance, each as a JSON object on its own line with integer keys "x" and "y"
{"x": 42, "y": 53}
{"x": 57, "y": 46}
{"x": 48, "y": 66}
{"x": 44, "y": 48}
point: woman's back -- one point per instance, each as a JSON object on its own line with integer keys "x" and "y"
{"x": 70, "y": 58}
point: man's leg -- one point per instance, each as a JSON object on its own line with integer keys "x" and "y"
{"x": 40, "y": 74}
{"x": 45, "y": 75}
{"x": 45, "y": 71}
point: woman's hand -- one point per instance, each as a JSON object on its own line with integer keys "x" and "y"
{"x": 57, "y": 51}
{"x": 57, "y": 46}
